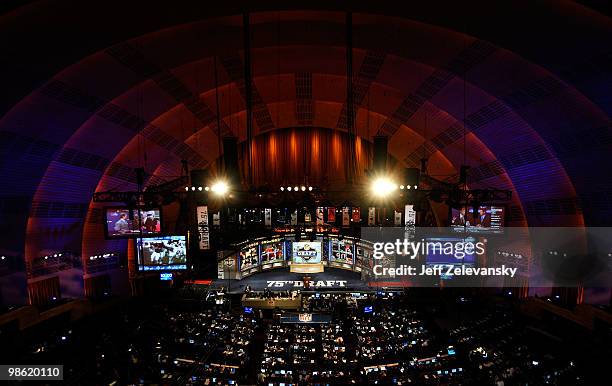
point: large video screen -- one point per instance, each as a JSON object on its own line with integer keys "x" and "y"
{"x": 123, "y": 222}
{"x": 488, "y": 219}
{"x": 272, "y": 251}
{"x": 306, "y": 252}
{"x": 162, "y": 253}
{"x": 451, "y": 250}
{"x": 249, "y": 256}
{"x": 342, "y": 251}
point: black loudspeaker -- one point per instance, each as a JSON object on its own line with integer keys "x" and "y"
{"x": 230, "y": 159}
{"x": 140, "y": 174}
{"x": 380, "y": 153}
{"x": 200, "y": 177}
{"x": 412, "y": 177}
{"x": 463, "y": 173}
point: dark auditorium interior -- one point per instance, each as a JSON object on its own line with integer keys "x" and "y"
{"x": 307, "y": 192}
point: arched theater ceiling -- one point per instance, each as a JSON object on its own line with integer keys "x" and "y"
{"x": 89, "y": 92}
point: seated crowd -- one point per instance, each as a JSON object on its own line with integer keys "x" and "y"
{"x": 365, "y": 339}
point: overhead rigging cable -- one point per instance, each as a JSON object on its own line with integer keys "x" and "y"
{"x": 248, "y": 86}
{"x": 465, "y": 36}
{"x": 197, "y": 95}
{"x": 350, "y": 108}
{"x": 217, "y": 107}
{"x": 424, "y": 159}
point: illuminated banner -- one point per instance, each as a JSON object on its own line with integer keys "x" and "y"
{"x": 216, "y": 219}
{"x": 294, "y": 217}
{"x": 268, "y": 217}
{"x": 307, "y": 216}
{"x": 410, "y": 219}
{"x": 356, "y": 215}
{"x": 331, "y": 215}
{"x": 397, "y": 218}
{"x": 371, "y": 216}
{"x": 320, "y": 216}
{"x": 345, "y": 216}
{"x": 203, "y": 230}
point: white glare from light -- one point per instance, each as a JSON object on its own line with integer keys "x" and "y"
{"x": 383, "y": 186}
{"x": 220, "y": 188}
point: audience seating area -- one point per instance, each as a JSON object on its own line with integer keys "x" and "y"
{"x": 371, "y": 339}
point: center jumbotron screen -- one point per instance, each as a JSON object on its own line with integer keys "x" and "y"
{"x": 306, "y": 252}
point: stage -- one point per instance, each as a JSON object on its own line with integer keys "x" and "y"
{"x": 281, "y": 280}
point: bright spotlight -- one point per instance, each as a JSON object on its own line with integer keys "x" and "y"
{"x": 186, "y": 188}
{"x": 282, "y": 188}
{"x": 402, "y": 187}
{"x": 220, "y": 188}
{"x": 289, "y": 188}
{"x": 193, "y": 188}
{"x": 303, "y": 188}
{"x": 382, "y": 187}
{"x": 310, "y": 188}
{"x": 199, "y": 188}
{"x": 207, "y": 188}
{"x": 295, "y": 188}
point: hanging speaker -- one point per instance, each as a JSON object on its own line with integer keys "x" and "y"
{"x": 199, "y": 177}
{"x": 412, "y": 177}
{"x": 463, "y": 172}
{"x": 380, "y": 153}
{"x": 230, "y": 159}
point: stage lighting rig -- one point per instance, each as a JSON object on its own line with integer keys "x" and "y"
{"x": 303, "y": 188}
{"x": 220, "y": 188}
